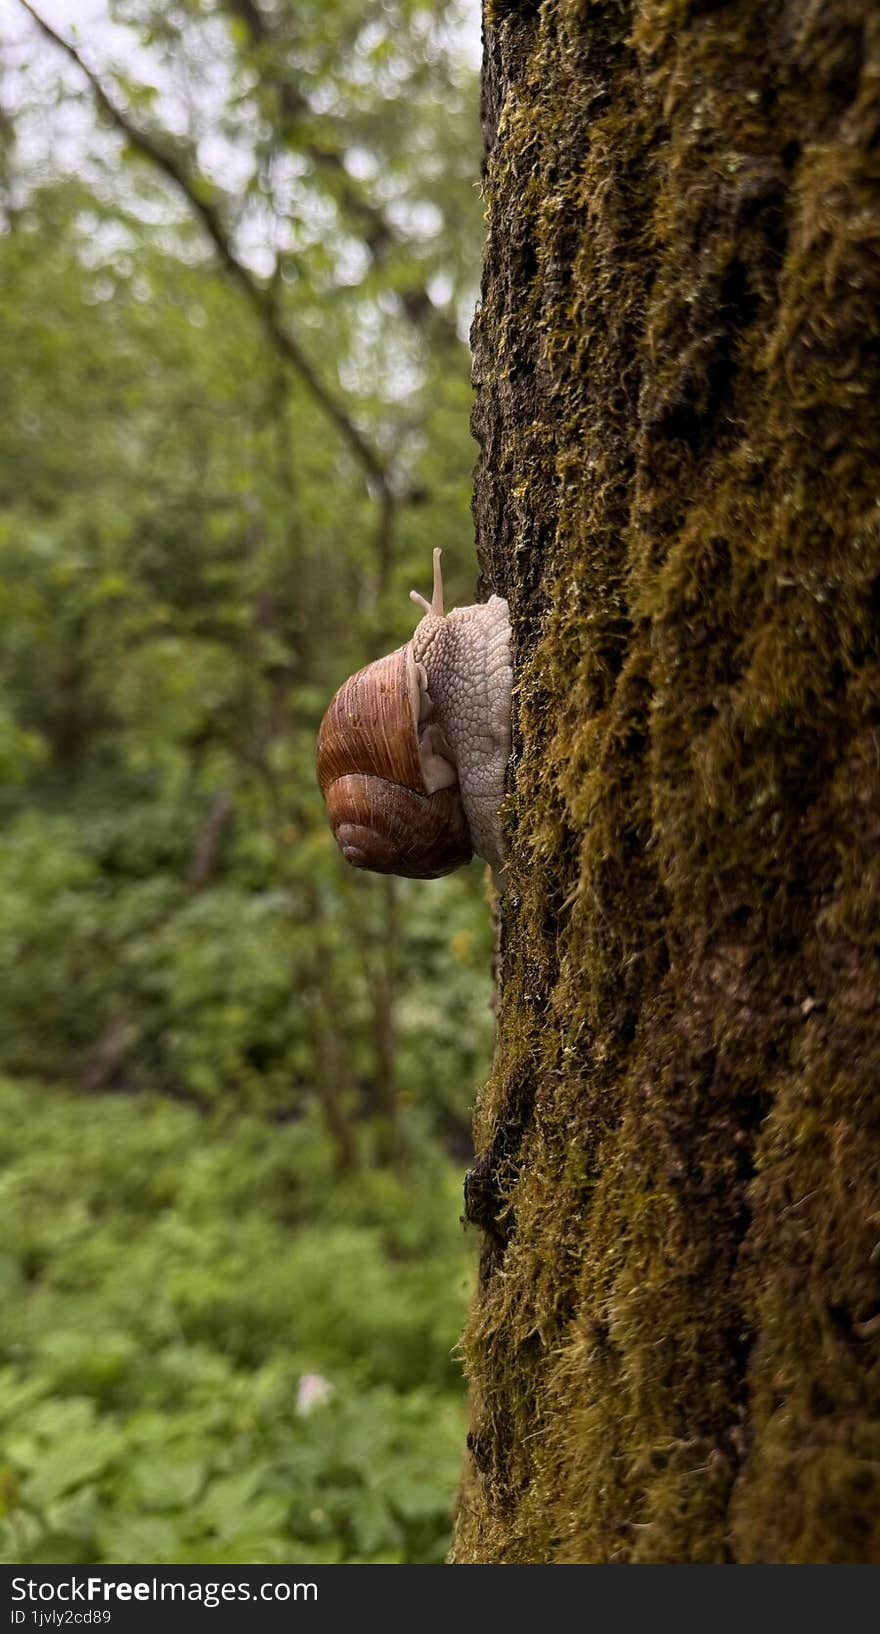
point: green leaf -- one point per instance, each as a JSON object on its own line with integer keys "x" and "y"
{"x": 78, "y": 1460}
{"x": 162, "y": 1483}
{"x": 147, "y": 1539}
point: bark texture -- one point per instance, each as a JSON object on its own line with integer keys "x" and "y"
{"x": 675, "y": 1346}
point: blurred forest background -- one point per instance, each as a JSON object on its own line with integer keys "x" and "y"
{"x": 238, "y": 258}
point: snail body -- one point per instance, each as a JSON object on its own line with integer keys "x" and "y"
{"x": 413, "y": 749}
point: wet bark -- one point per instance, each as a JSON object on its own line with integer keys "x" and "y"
{"x": 674, "y": 1351}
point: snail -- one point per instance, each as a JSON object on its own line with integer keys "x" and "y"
{"x": 413, "y": 749}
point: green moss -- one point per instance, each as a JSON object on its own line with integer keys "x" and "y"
{"x": 674, "y": 1350}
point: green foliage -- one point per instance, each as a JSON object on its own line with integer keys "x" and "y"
{"x": 190, "y": 563}
{"x": 163, "y": 1297}
{"x": 193, "y": 555}
{"x": 212, "y": 993}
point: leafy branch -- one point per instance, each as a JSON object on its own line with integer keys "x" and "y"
{"x": 203, "y": 207}
{"x": 377, "y": 233}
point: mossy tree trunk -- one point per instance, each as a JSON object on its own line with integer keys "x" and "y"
{"x": 674, "y": 1345}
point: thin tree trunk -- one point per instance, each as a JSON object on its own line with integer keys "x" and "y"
{"x": 335, "y": 1085}
{"x": 380, "y": 959}
{"x": 334, "y": 1079}
{"x": 674, "y": 1350}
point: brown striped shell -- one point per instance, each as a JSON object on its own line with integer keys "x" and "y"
{"x": 390, "y": 790}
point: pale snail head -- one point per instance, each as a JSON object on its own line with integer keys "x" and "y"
{"x": 413, "y": 750}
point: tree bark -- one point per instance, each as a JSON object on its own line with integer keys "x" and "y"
{"x": 675, "y": 1345}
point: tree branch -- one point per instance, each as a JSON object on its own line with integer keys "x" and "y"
{"x": 209, "y": 840}
{"x": 376, "y": 231}
{"x": 209, "y": 216}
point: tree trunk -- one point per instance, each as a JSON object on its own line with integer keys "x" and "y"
{"x": 674, "y": 1345}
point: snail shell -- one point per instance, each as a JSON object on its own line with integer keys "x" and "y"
{"x": 413, "y": 750}
{"x": 391, "y": 794}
